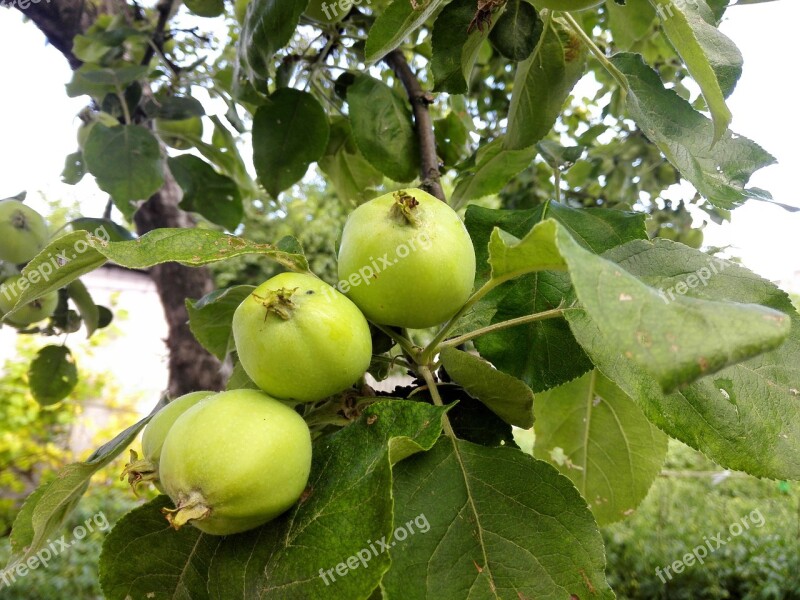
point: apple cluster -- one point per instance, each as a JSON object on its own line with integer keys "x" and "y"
{"x": 301, "y": 340}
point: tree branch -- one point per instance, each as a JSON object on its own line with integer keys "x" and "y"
{"x": 164, "y": 12}
{"x": 420, "y": 101}
{"x": 61, "y": 21}
{"x": 191, "y": 367}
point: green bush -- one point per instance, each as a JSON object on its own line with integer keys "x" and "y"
{"x": 34, "y": 445}
{"x": 73, "y": 572}
{"x": 687, "y": 507}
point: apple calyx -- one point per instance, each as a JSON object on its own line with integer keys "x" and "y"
{"x": 278, "y": 302}
{"x": 191, "y": 507}
{"x": 139, "y": 471}
{"x": 19, "y": 221}
{"x": 405, "y": 208}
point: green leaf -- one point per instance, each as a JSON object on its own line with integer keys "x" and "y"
{"x": 545, "y": 353}
{"x": 494, "y": 166}
{"x": 517, "y": 31}
{"x": 88, "y": 310}
{"x": 210, "y": 318}
{"x": 84, "y": 82}
{"x": 542, "y": 84}
{"x": 506, "y": 396}
{"x": 452, "y": 139}
{"x": 78, "y": 253}
{"x": 598, "y": 437}
{"x": 52, "y": 375}
{"x": 744, "y": 417}
{"x": 351, "y": 174}
{"x": 382, "y": 128}
{"x": 596, "y": 229}
{"x": 268, "y": 27}
{"x": 224, "y": 154}
{"x": 676, "y": 342}
{"x": 105, "y": 229}
{"x": 206, "y": 192}
{"x": 289, "y": 133}
{"x": 455, "y": 46}
{"x": 116, "y": 78}
{"x": 46, "y": 510}
{"x": 239, "y": 379}
{"x": 685, "y": 137}
{"x": 396, "y": 23}
{"x": 347, "y": 505}
{"x": 74, "y": 168}
{"x": 500, "y": 525}
{"x": 89, "y": 49}
{"x": 629, "y": 23}
{"x": 713, "y": 60}
{"x": 473, "y": 422}
{"x": 126, "y": 162}
{"x": 175, "y": 108}
{"x": 134, "y": 535}
{"x": 58, "y": 264}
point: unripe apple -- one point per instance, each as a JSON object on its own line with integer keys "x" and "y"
{"x": 234, "y": 461}
{"x": 23, "y": 232}
{"x": 407, "y": 259}
{"x": 179, "y": 134}
{"x": 300, "y": 339}
{"x": 33, "y": 312}
{"x": 145, "y": 469}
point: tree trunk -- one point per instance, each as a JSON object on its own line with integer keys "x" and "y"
{"x": 190, "y": 366}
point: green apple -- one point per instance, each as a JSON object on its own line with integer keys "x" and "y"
{"x": 31, "y": 313}
{"x": 300, "y": 339}
{"x": 23, "y": 232}
{"x": 234, "y": 461}
{"x": 145, "y": 469}
{"x": 180, "y": 134}
{"x": 407, "y": 260}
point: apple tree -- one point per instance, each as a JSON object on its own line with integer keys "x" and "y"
{"x": 553, "y": 129}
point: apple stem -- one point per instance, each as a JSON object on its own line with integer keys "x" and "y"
{"x": 192, "y": 507}
{"x": 427, "y": 375}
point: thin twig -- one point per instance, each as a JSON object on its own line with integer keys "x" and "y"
{"x": 420, "y": 101}
{"x": 542, "y": 316}
{"x": 427, "y": 375}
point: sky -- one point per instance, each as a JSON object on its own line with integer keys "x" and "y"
{"x": 38, "y": 124}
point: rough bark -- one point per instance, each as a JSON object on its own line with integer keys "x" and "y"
{"x": 191, "y": 367}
